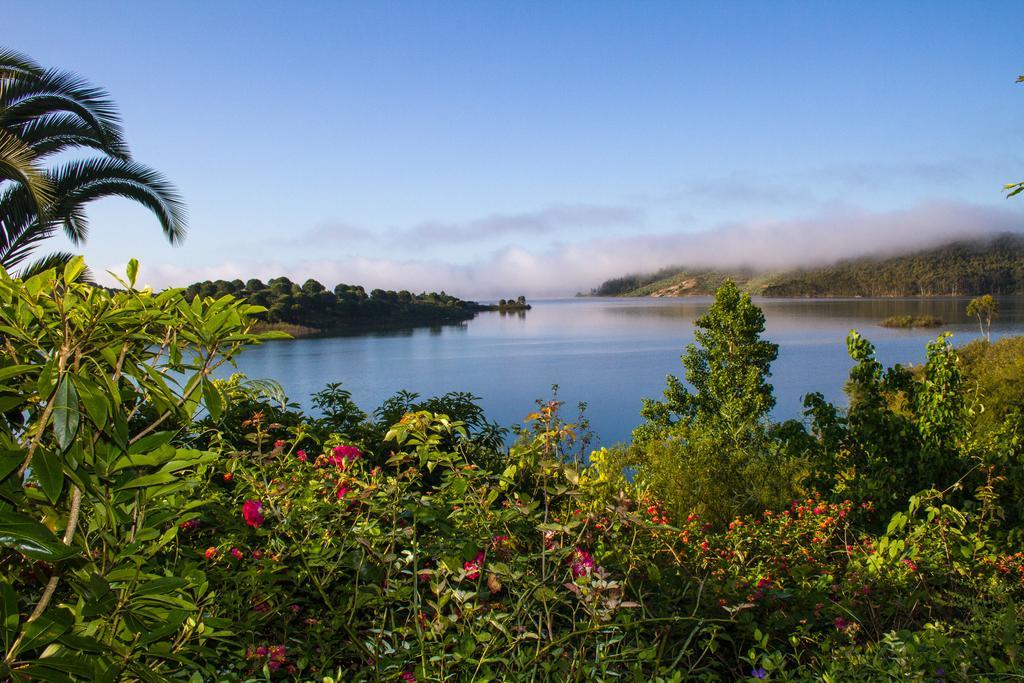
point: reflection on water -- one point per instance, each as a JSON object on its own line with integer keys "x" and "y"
{"x": 607, "y": 352}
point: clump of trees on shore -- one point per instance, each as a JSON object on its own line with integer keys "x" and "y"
{"x": 312, "y": 305}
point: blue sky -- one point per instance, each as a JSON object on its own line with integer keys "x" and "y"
{"x": 542, "y": 147}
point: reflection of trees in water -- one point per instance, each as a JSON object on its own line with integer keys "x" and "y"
{"x": 797, "y": 311}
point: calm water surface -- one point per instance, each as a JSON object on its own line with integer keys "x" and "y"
{"x": 607, "y": 352}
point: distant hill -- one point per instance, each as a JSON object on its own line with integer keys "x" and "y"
{"x": 970, "y": 267}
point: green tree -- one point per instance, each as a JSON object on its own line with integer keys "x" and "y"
{"x": 44, "y": 113}
{"x": 728, "y": 369}
{"x": 92, "y": 487}
{"x": 984, "y": 308}
{"x": 711, "y": 449}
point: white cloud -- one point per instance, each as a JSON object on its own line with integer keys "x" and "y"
{"x": 830, "y": 234}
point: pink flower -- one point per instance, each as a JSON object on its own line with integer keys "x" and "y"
{"x": 302, "y": 456}
{"x": 252, "y": 512}
{"x": 211, "y": 553}
{"x": 764, "y": 583}
{"x": 343, "y": 454}
{"x": 189, "y": 525}
{"x": 408, "y": 677}
{"x": 841, "y": 623}
{"x": 342, "y": 492}
{"x": 236, "y": 553}
{"x": 279, "y": 444}
{"x": 474, "y": 566}
{"x": 582, "y": 563}
{"x": 910, "y": 564}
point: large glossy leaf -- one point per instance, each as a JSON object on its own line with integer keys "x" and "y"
{"x": 65, "y": 412}
{"x": 9, "y": 461}
{"x": 46, "y": 465}
{"x": 212, "y": 399}
{"x": 12, "y": 370}
{"x": 32, "y": 539}
{"x": 46, "y": 629}
{"x": 8, "y": 614}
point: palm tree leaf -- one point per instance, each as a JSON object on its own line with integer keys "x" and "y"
{"x": 58, "y": 132}
{"x": 24, "y": 98}
{"x": 20, "y": 229}
{"x": 58, "y": 259}
{"x": 82, "y": 181}
{"x": 13, "y": 62}
{"x": 18, "y": 164}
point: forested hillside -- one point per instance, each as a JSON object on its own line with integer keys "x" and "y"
{"x": 993, "y": 266}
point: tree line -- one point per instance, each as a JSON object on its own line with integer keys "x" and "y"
{"x": 311, "y": 304}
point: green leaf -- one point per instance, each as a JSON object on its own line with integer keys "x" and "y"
{"x": 8, "y": 614}
{"x": 132, "y": 271}
{"x": 47, "y": 468}
{"x": 212, "y": 399}
{"x": 12, "y": 370}
{"x": 151, "y": 442}
{"x": 46, "y": 629}
{"x": 94, "y": 400}
{"x": 9, "y": 461}
{"x": 73, "y": 269}
{"x": 65, "y": 412}
{"x": 31, "y": 538}
{"x": 149, "y": 480}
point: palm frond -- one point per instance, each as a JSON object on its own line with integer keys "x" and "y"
{"x": 20, "y": 228}
{"x": 26, "y": 97}
{"x": 58, "y": 132}
{"x": 58, "y": 259}
{"x": 79, "y": 182}
{"x": 14, "y": 63}
{"x": 18, "y": 163}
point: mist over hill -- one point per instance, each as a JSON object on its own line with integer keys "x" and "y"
{"x": 992, "y": 265}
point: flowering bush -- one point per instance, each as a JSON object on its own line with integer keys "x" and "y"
{"x": 412, "y": 553}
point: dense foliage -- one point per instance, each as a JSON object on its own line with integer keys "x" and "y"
{"x": 159, "y": 524}
{"x": 993, "y": 266}
{"x": 313, "y": 305}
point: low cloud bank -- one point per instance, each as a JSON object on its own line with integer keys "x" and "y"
{"x": 831, "y": 234}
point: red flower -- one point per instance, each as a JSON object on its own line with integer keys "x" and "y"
{"x": 408, "y": 677}
{"x": 474, "y": 566}
{"x": 211, "y": 553}
{"x": 236, "y": 553}
{"x": 302, "y": 456}
{"x": 189, "y": 525}
{"x": 279, "y": 444}
{"x": 228, "y": 476}
{"x": 252, "y": 512}
{"x": 582, "y": 563}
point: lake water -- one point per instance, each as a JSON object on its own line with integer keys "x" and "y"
{"x": 609, "y": 353}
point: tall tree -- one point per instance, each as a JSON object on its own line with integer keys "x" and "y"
{"x": 44, "y": 112}
{"x": 984, "y": 308}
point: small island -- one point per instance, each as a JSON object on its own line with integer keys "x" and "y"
{"x": 310, "y": 309}
{"x": 912, "y": 321}
{"x": 508, "y": 305}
